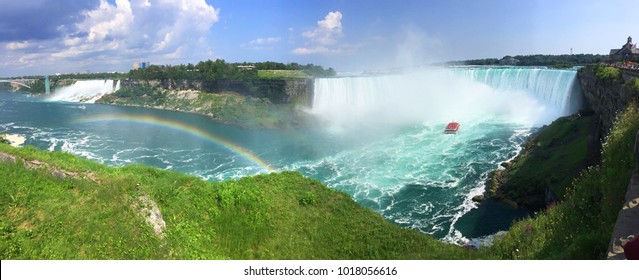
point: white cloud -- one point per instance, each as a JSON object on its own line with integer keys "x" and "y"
{"x": 17, "y": 45}
{"x": 161, "y": 31}
{"x": 315, "y": 50}
{"x": 323, "y": 38}
{"x": 108, "y": 20}
{"x": 261, "y": 43}
{"x": 269, "y": 40}
{"x": 327, "y": 31}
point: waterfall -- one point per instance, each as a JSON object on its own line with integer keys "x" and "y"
{"x": 535, "y": 96}
{"x": 556, "y": 87}
{"x": 85, "y": 91}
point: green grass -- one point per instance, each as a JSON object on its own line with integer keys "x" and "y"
{"x": 607, "y": 73}
{"x": 634, "y": 84}
{"x": 275, "y": 216}
{"x": 557, "y": 154}
{"x": 281, "y": 74}
{"x": 581, "y": 226}
{"x": 48, "y": 218}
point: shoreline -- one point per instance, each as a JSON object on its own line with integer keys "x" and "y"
{"x": 16, "y": 140}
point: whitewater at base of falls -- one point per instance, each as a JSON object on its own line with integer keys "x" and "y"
{"x": 408, "y": 169}
{"x": 524, "y": 95}
{"x": 85, "y": 91}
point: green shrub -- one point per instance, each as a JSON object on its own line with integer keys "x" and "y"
{"x": 607, "y": 72}
{"x": 581, "y": 225}
{"x": 634, "y": 84}
{"x": 308, "y": 199}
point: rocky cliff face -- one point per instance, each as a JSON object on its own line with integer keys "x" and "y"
{"x": 298, "y": 91}
{"x": 606, "y": 97}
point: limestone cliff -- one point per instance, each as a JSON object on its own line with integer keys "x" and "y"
{"x": 607, "y": 97}
{"x": 278, "y": 91}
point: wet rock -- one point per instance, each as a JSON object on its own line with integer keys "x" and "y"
{"x": 478, "y": 198}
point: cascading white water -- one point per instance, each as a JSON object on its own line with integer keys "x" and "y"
{"x": 529, "y": 95}
{"x": 556, "y": 87}
{"x": 406, "y": 167}
{"x": 85, "y": 91}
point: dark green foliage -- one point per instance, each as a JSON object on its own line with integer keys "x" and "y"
{"x": 606, "y": 73}
{"x": 4, "y": 140}
{"x": 556, "y": 61}
{"x": 554, "y": 156}
{"x": 561, "y": 66}
{"x": 581, "y": 225}
{"x": 221, "y": 70}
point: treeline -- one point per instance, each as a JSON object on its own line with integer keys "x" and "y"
{"x": 221, "y": 70}
{"x": 559, "y": 61}
{"x": 90, "y": 76}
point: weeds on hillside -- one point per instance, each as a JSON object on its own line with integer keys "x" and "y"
{"x": 580, "y": 227}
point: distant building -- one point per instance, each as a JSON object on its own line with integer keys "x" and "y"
{"x": 628, "y": 52}
{"x": 141, "y": 65}
{"x": 246, "y": 67}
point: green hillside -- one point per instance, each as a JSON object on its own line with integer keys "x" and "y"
{"x": 58, "y": 206}
{"x": 96, "y": 213}
{"x": 580, "y": 227}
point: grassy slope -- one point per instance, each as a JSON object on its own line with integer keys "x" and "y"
{"x": 580, "y": 227}
{"x": 557, "y": 154}
{"x": 281, "y": 216}
{"x": 276, "y": 216}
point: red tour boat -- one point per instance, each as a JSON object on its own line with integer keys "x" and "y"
{"x": 451, "y": 128}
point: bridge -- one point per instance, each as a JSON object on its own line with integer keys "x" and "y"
{"x": 19, "y": 82}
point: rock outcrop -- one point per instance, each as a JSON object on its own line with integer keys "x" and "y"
{"x": 279, "y": 91}
{"x": 606, "y": 97}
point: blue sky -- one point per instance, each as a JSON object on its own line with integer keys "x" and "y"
{"x": 47, "y": 36}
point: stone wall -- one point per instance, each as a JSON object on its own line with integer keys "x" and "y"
{"x": 606, "y": 97}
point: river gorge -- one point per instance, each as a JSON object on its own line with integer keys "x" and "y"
{"x": 378, "y": 138}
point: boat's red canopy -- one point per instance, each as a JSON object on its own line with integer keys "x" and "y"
{"x": 452, "y": 126}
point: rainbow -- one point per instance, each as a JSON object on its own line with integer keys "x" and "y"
{"x": 191, "y": 130}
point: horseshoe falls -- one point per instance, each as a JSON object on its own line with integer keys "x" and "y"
{"x": 378, "y": 138}
{"x": 407, "y": 169}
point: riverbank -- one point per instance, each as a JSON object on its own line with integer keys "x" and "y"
{"x": 13, "y": 139}
{"x": 223, "y": 107}
{"x": 59, "y": 206}
{"x": 580, "y": 225}
{"x": 550, "y": 160}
